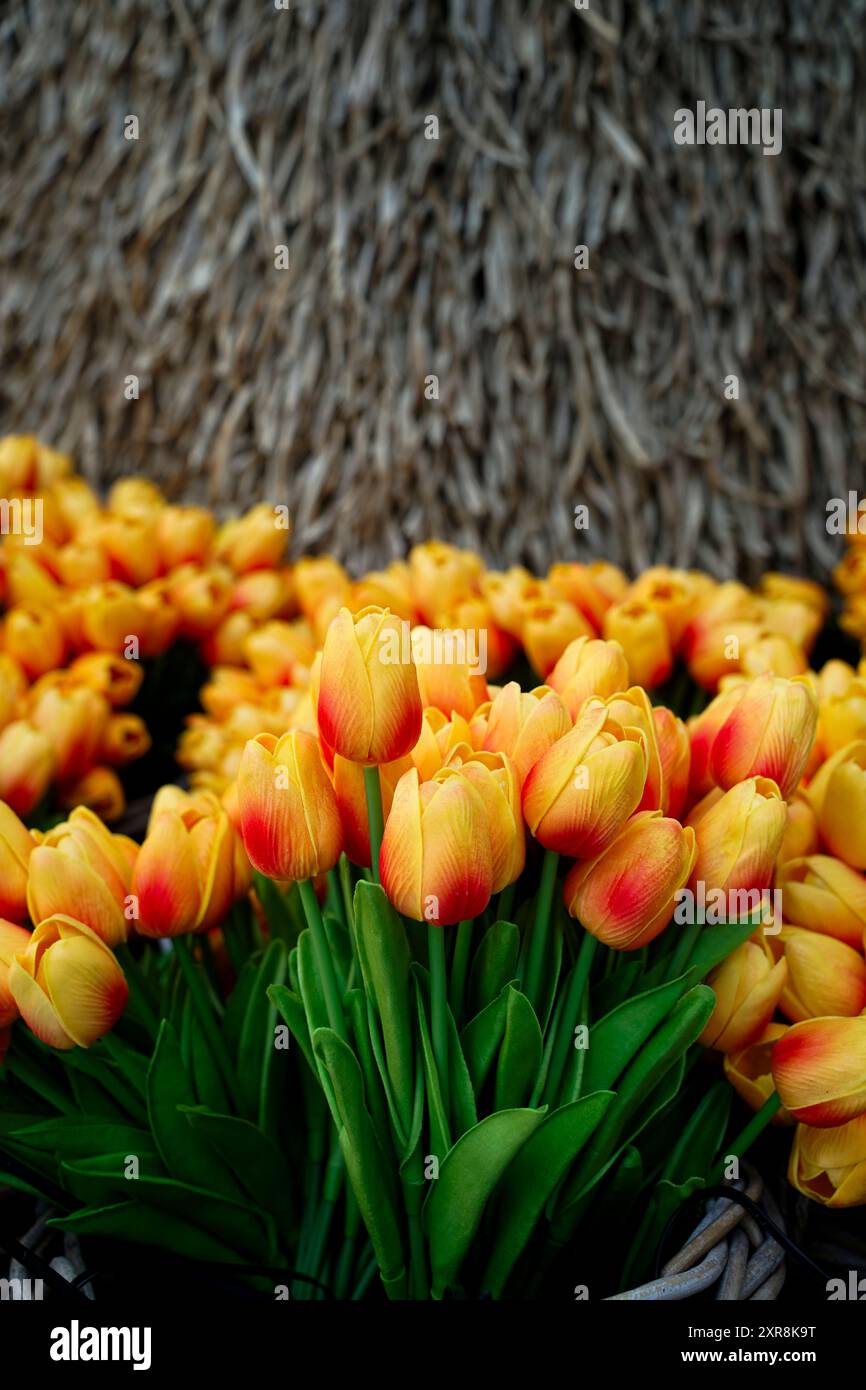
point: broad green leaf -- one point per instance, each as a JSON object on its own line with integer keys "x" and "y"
{"x": 520, "y": 1053}
{"x": 384, "y": 955}
{"x": 494, "y": 965}
{"x": 615, "y": 1039}
{"x": 697, "y": 1144}
{"x": 186, "y": 1156}
{"x": 440, "y": 1127}
{"x": 290, "y": 1007}
{"x": 257, "y": 1056}
{"x": 259, "y": 1167}
{"x": 481, "y": 1037}
{"x": 145, "y": 1224}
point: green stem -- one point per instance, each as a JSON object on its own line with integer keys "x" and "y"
{"x": 459, "y": 968}
{"x": 138, "y": 991}
{"x": 373, "y": 788}
{"x": 201, "y": 1003}
{"x": 506, "y": 902}
{"x": 683, "y": 951}
{"x": 570, "y": 1015}
{"x": 439, "y": 1006}
{"x": 540, "y": 927}
{"x": 324, "y": 964}
{"x": 746, "y": 1136}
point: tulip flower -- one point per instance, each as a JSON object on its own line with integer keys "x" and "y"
{"x": 16, "y": 846}
{"x": 67, "y": 984}
{"x": 801, "y": 837}
{"x": 444, "y": 669}
{"x": 442, "y": 575}
{"x": 110, "y": 613}
{"x": 738, "y": 836}
{"x": 525, "y": 725}
{"x": 494, "y": 777}
{"x": 547, "y": 627}
{"x": 253, "y": 541}
{"x": 585, "y": 787}
{"x": 625, "y": 896}
{"x": 749, "y": 1071}
{"x": 580, "y": 586}
{"x": 829, "y": 1165}
{"x": 768, "y": 733}
{"x": 390, "y": 588}
{"x": 201, "y": 598}
{"x": 224, "y": 646}
{"x": 318, "y": 577}
{"x": 825, "y": 895}
{"x": 837, "y": 793}
{"x": 62, "y": 879}
{"x": 509, "y": 593}
{"x": 26, "y": 766}
{"x": 33, "y": 637}
{"x": 13, "y": 939}
{"x": 13, "y": 684}
{"x": 277, "y": 651}
{"x": 632, "y": 709}
{"x": 438, "y": 739}
{"x": 842, "y": 717}
{"x": 135, "y": 497}
{"x": 369, "y": 705}
{"x": 824, "y": 975}
{"x": 673, "y": 594}
{"x": 75, "y": 718}
{"x": 672, "y": 738}
{"x": 352, "y": 802}
{"x": 475, "y": 615}
{"x": 644, "y": 638}
{"x": 115, "y": 677}
{"x": 436, "y": 859}
{"x": 290, "y": 822}
{"x": 773, "y": 653}
{"x": 184, "y": 535}
{"x": 183, "y": 878}
{"x": 99, "y": 790}
{"x": 587, "y": 667}
{"x": 819, "y": 1068}
{"x": 81, "y": 563}
{"x": 703, "y": 729}
{"x": 131, "y": 544}
{"x": 747, "y": 989}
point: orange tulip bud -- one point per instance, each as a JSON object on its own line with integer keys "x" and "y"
{"x": 278, "y": 651}
{"x": 768, "y": 733}
{"x": 62, "y": 879}
{"x": 773, "y": 653}
{"x": 254, "y": 541}
{"x": 625, "y": 896}
{"x": 19, "y": 455}
{"x": 508, "y": 594}
{"x": 644, "y": 638}
{"x": 587, "y": 667}
{"x": 115, "y": 677}
{"x": 576, "y": 583}
{"x": 747, "y": 989}
{"x": 130, "y": 542}
{"x": 824, "y": 975}
{"x": 494, "y": 777}
{"x": 110, "y": 613}
{"x": 580, "y": 794}
{"x": 390, "y": 588}
{"x": 184, "y": 535}
{"x": 16, "y": 846}
{"x": 260, "y": 593}
{"x": 842, "y": 717}
{"x": 633, "y": 710}
{"x": 13, "y": 684}
{"x": 201, "y": 597}
{"x": 449, "y": 670}
{"x": 226, "y": 645}
{"x": 801, "y": 830}
{"x": 289, "y": 818}
{"x": 369, "y": 704}
{"x": 124, "y": 739}
{"x": 318, "y": 577}
{"x": 835, "y": 679}
{"x": 829, "y": 1165}
{"x": 837, "y": 793}
{"x": 436, "y": 860}
{"x": 135, "y": 497}
{"x": 13, "y": 939}
{"x": 674, "y": 747}
{"x": 475, "y": 615}
{"x": 825, "y": 895}
{"x": 99, "y": 790}
{"x": 750, "y": 1073}
{"x": 81, "y": 564}
{"x": 548, "y": 627}
{"x": 441, "y": 576}
{"x": 67, "y": 985}
{"x": 74, "y": 718}
{"x": 703, "y": 729}
{"x": 184, "y": 872}
{"x": 819, "y": 1068}
{"x": 26, "y": 766}
{"x": 33, "y": 637}
{"x": 738, "y": 837}
{"x": 525, "y": 724}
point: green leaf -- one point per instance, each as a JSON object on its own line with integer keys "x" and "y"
{"x": 201, "y": 1064}
{"x": 699, "y": 1141}
{"x": 495, "y": 964}
{"x": 259, "y": 1167}
{"x": 520, "y": 1053}
{"x": 481, "y": 1037}
{"x": 184, "y": 1153}
{"x": 531, "y": 1177}
{"x": 236, "y": 1008}
{"x": 440, "y": 1128}
{"x": 716, "y": 943}
{"x": 374, "y": 1093}
{"x": 373, "y": 1181}
{"x": 666, "y": 1198}
{"x": 257, "y": 1056}
{"x": 144, "y": 1224}
{"x": 384, "y": 955}
{"x": 290, "y": 1007}
{"x": 615, "y": 1039}
{"x": 470, "y": 1173}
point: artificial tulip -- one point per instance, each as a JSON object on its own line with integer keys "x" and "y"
{"x": 824, "y": 975}
{"x": 436, "y": 860}
{"x": 829, "y": 1165}
{"x": 643, "y": 636}
{"x": 747, "y": 989}
{"x": 749, "y": 1071}
{"x": 369, "y": 705}
{"x": 584, "y": 788}
{"x": 768, "y": 733}
{"x": 625, "y": 896}
{"x": 837, "y": 793}
{"x": 26, "y": 766}
{"x": 16, "y": 846}
{"x": 738, "y": 837}
{"x": 819, "y": 1068}
{"x": 825, "y": 895}
{"x": 525, "y": 725}
{"x": 289, "y": 817}
{"x": 67, "y": 984}
{"x": 588, "y": 666}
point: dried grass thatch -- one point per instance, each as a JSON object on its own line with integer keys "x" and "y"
{"x": 412, "y": 256}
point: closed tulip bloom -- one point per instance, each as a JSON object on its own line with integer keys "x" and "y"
{"x": 13, "y": 939}
{"x": 131, "y": 544}
{"x": 548, "y": 626}
{"x": 65, "y": 878}
{"x": 369, "y": 705}
{"x": 16, "y": 846}
{"x": 81, "y": 564}
{"x": 842, "y": 717}
{"x": 447, "y": 679}
{"x": 436, "y": 860}
{"x": 13, "y": 684}
{"x": 67, "y": 984}
{"x": 160, "y": 620}
{"x": 773, "y": 653}
{"x": 226, "y": 644}
{"x": 587, "y": 667}
{"x": 100, "y": 790}
{"x": 581, "y": 793}
{"x": 625, "y": 896}
{"x": 278, "y": 651}
{"x": 525, "y": 724}
{"x": 509, "y": 593}
{"x": 819, "y": 1068}
{"x": 580, "y": 586}
{"x": 183, "y": 878}
{"x": 26, "y": 766}
{"x": 747, "y": 989}
{"x": 33, "y": 636}
{"x": 824, "y": 975}
{"x": 184, "y": 534}
{"x": 794, "y": 589}
{"x": 124, "y": 739}
{"x": 768, "y": 733}
{"x": 475, "y": 615}
{"x": 253, "y": 541}
{"x": 438, "y": 738}
{"x": 19, "y": 454}
{"x": 749, "y": 1070}
{"x": 75, "y": 718}
{"x": 703, "y": 729}
{"x": 442, "y": 575}
{"x": 352, "y": 802}
{"x": 644, "y": 638}
{"x": 390, "y": 588}
{"x": 318, "y": 577}
{"x": 837, "y": 793}
{"x": 673, "y": 594}
{"x": 801, "y": 836}
{"x": 262, "y": 594}
{"x": 494, "y": 777}
{"x": 201, "y": 598}
{"x": 135, "y": 497}
{"x": 829, "y": 1165}
{"x": 632, "y": 709}
{"x": 289, "y": 818}
{"x": 825, "y": 895}
{"x": 118, "y": 679}
{"x": 110, "y": 613}
{"x": 674, "y": 747}
{"x": 834, "y": 679}
{"x": 738, "y": 837}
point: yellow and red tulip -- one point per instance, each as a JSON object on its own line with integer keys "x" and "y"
{"x": 184, "y": 874}
{"x": 824, "y": 975}
{"x": 26, "y": 766}
{"x": 67, "y": 984}
{"x": 369, "y": 705}
{"x": 444, "y": 683}
{"x": 819, "y": 1068}
{"x": 589, "y": 666}
{"x": 837, "y": 793}
{"x": 738, "y": 835}
{"x": 641, "y": 632}
{"x": 289, "y": 817}
{"x": 747, "y": 987}
{"x": 16, "y": 846}
{"x": 494, "y": 777}
{"x": 525, "y": 724}
{"x": 672, "y": 738}
{"x": 749, "y": 1070}
{"x": 829, "y": 1165}
{"x": 825, "y": 895}
{"x": 768, "y": 733}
